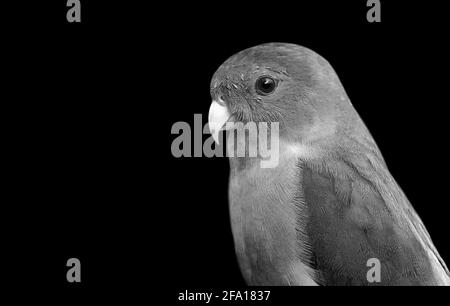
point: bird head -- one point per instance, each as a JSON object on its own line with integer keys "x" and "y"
{"x": 283, "y": 83}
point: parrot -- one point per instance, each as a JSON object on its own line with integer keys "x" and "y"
{"x": 330, "y": 210}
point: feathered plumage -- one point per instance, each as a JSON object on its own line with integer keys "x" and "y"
{"x": 331, "y": 204}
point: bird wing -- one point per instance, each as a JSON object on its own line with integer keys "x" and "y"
{"x": 358, "y": 212}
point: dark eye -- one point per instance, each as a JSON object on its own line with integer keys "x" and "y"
{"x": 265, "y": 85}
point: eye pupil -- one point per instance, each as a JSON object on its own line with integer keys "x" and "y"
{"x": 265, "y": 85}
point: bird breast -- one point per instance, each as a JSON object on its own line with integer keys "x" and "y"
{"x": 267, "y": 224}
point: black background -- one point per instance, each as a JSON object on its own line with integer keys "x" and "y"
{"x": 92, "y": 108}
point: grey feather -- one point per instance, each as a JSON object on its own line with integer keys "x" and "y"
{"x": 331, "y": 203}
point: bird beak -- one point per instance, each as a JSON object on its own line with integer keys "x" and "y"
{"x": 218, "y": 118}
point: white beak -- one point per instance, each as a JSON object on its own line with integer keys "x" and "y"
{"x": 217, "y": 118}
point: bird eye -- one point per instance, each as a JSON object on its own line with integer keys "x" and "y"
{"x": 265, "y": 85}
